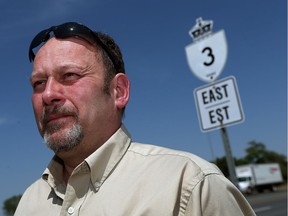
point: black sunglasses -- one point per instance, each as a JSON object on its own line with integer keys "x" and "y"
{"x": 71, "y": 29}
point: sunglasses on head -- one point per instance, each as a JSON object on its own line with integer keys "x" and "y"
{"x": 67, "y": 30}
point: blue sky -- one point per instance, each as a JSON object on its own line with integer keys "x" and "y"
{"x": 153, "y": 35}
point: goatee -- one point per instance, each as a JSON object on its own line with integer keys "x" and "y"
{"x": 70, "y": 138}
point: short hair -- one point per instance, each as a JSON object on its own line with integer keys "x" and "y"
{"x": 111, "y": 67}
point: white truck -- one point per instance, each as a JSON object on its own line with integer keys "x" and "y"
{"x": 258, "y": 177}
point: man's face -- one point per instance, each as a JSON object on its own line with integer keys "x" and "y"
{"x": 68, "y": 100}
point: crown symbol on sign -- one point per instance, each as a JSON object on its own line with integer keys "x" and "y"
{"x": 201, "y": 29}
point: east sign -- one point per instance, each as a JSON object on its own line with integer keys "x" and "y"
{"x": 218, "y": 104}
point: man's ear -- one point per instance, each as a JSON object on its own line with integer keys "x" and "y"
{"x": 121, "y": 90}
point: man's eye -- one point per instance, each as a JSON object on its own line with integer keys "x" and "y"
{"x": 38, "y": 85}
{"x": 71, "y": 76}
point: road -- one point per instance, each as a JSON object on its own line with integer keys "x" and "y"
{"x": 269, "y": 203}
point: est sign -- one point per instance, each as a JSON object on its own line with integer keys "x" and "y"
{"x": 218, "y": 104}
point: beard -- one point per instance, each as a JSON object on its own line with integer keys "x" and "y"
{"x": 68, "y": 138}
{"x": 67, "y": 141}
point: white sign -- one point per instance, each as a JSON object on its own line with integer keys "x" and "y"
{"x": 207, "y": 57}
{"x": 218, "y": 104}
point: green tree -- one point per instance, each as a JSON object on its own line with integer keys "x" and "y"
{"x": 222, "y": 165}
{"x": 255, "y": 153}
{"x": 10, "y": 205}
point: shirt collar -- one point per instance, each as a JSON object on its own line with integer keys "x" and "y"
{"x": 101, "y": 162}
{"x": 53, "y": 175}
{"x": 107, "y": 157}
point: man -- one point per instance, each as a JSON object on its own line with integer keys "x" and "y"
{"x": 80, "y": 90}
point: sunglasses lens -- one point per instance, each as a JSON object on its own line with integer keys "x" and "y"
{"x": 72, "y": 29}
{"x": 41, "y": 37}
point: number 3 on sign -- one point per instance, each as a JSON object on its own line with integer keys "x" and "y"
{"x": 210, "y": 55}
{"x": 207, "y": 57}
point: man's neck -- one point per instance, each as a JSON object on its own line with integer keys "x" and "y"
{"x": 67, "y": 172}
{"x": 71, "y": 159}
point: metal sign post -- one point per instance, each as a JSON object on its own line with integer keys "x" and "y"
{"x": 218, "y": 105}
{"x": 229, "y": 156}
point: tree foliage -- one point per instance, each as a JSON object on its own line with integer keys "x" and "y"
{"x": 10, "y": 205}
{"x": 256, "y": 152}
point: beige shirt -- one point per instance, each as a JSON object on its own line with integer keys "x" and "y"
{"x": 124, "y": 178}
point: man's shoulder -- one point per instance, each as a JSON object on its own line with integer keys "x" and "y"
{"x": 33, "y": 192}
{"x": 165, "y": 155}
{"x": 36, "y": 186}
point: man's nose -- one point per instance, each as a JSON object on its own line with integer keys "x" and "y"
{"x": 53, "y": 93}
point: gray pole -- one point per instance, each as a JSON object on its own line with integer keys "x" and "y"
{"x": 229, "y": 157}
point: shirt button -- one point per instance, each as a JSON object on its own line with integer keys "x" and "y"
{"x": 70, "y": 210}
{"x": 97, "y": 185}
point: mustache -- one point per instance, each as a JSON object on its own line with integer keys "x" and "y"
{"x": 56, "y": 110}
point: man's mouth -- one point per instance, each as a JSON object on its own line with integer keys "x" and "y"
{"x": 55, "y": 117}
{"x": 56, "y": 114}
